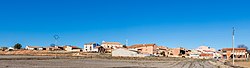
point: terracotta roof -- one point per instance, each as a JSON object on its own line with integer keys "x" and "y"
{"x": 203, "y": 54}
{"x": 208, "y": 51}
{"x": 234, "y": 49}
{"x": 141, "y": 45}
{"x": 75, "y": 47}
{"x": 115, "y": 43}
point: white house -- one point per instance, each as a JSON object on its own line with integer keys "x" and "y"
{"x": 90, "y": 47}
{"x": 125, "y": 53}
{"x": 112, "y": 45}
{"x": 206, "y": 52}
{"x": 72, "y": 48}
{"x": 10, "y": 48}
{"x": 34, "y": 48}
{"x": 205, "y": 49}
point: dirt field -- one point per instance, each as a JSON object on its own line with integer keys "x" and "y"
{"x": 243, "y": 64}
{"x": 91, "y": 63}
{"x": 49, "y": 62}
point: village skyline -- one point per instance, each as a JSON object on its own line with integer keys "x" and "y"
{"x": 172, "y": 24}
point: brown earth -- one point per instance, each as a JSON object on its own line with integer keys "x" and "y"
{"x": 14, "y": 61}
{"x": 243, "y": 64}
{"x": 104, "y": 63}
{"x": 46, "y": 59}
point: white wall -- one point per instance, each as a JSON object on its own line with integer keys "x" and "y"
{"x": 88, "y": 48}
{"x": 124, "y": 53}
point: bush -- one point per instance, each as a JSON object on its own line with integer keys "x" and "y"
{"x": 18, "y": 46}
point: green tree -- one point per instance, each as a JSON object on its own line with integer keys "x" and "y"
{"x": 125, "y": 46}
{"x": 18, "y": 46}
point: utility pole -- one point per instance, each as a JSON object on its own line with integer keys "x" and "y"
{"x": 233, "y": 43}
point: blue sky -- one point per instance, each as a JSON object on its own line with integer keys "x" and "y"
{"x": 171, "y": 23}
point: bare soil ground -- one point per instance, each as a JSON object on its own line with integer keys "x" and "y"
{"x": 243, "y": 64}
{"x": 82, "y": 62}
{"x": 97, "y": 63}
{"x": 60, "y": 59}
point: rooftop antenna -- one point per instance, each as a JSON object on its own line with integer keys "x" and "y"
{"x": 56, "y": 37}
{"x": 233, "y": 43}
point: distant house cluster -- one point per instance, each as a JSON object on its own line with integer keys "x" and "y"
{"x": 205, "y": 52}
{"x": 143, "y": 50}
{"x": 6, "y": 48}
{"x": 55, "y": 48}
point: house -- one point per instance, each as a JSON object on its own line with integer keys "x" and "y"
{"x": 175, "y": 52}
{"x": 162, "y": 50}
{"x": 194, "y": 54}
{"x": 71, "y": 48}
{"x": 239, "y": 53}
{"x": 3, "y": 48}
{"x": 144, "y": 48}
{"x": 111, "y": 45}
{"x": 217, "y": 55}
{"x": 91, "y": 47}
{"x": 125, "y": 53}
{"x": 34, "y": 48}
{"x": 54, "y": 48}
{"x": 206, "y": 52}
{"x": 10, "y": 49}
{"x": 205, "y": 48}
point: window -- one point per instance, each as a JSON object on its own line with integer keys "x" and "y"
{"x": 182, "y": 52}
{"x": 225, "y": 56}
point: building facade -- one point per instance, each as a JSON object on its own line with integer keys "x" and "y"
{"x": 177, "y": 52}
{"x": 72, "y": 48}
{"x": 162, "y": 51}
{"x": 239, "y": 53}
{"x": 54, "y": 48}
{"x": 34, "y": 48}
{"x": 125, "y": 53}
{"x": 206, "y": 52}
{"x": 144, "y": 48}
{"x": 91, "y": 47}
{"x": 111, "y": 45}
